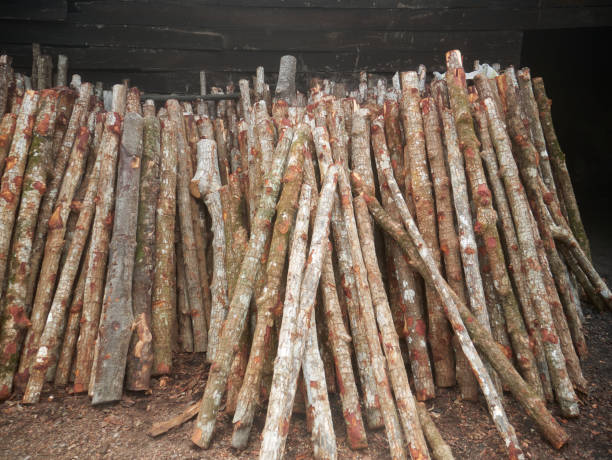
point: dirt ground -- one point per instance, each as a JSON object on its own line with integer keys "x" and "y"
{"x": 67, "y": 426}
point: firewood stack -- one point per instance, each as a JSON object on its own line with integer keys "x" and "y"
{"x": 407, "y": 236}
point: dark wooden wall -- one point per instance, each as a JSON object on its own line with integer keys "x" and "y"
{"x": 162, "y": 44}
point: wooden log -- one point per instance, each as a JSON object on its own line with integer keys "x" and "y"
{"x": 185, "y": 211}
{"x": 456, "y": 311}
{"x": 285, "y": 378}
{"x": 140, "y": 355}
{"x": 285, "y": 217}
{"x": 421, "y": 187}
{"x": 345, "y": 264}
{"x": 97, "y": 258}
{"x": 209, "y": 181}
{"x": 564, "y": 392}
{"x": 390, "y": 342}
{"x": 62, "y": 70}
{"x": 285, "y": 84}
{"x": 521, "y": 345}
{"x": 559, "y": 166}
{"x": 117, "y": 313}
{"x": 243, "y": 292}
{"x": 5, "y": 77}
{"x": 164, "y": 276}
{"x": 45, "y": 272}
{"x": 34, "y": 185}
{"x": 54, "y": 322}
{"x": 439, "y": 449}
{"x": 7, "y": 130}
{"x": 12, "y": 179}
{"x": 387, "y": 405}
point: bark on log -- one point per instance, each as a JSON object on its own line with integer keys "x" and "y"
{"x": 461, "y": 318}
{"x": 243, "y": 292}
{"x": 7, "y": 130}
{"x": 97, "y": 258}
{"x": 5, "y": 81}
{"x": 34, "y": 185}
{"x": 390, "y": 342}
{"x": 140, "y": 355}
{"x": 439, "y": 449}
{"x": 163, "y": 280}
{"x": 12, "y": 179}
{"x": 455, "y": 310}
{"x": 345, "y": 264}
{"x": 185, "y": 211}
{"x": 285, "y": 376}
{"x": 526, "y": 358}
{"x": 43, "y": 291}
{"x": 338, "y": 335}
{"x": 420, "y": 184}
{"x": 117, "y": 314}
{"x": 557, "y": 159}
{"x": 47, "y": 347}
{"x": 283, "y": 225}
{"x": 387, "y": 405}
{"x": 209, "y": 181}
{"x": 449, "y": 241}
{"x": 521, "y": 213}
{"x": 285, "y": 84}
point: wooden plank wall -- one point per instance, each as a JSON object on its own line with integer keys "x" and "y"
{"x": 162, "y": 44}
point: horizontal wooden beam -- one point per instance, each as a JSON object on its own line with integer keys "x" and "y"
{"x": 34, "y": 10}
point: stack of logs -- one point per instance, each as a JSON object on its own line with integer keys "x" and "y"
{"x": 424, "y": 231}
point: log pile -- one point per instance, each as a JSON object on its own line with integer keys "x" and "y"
{"x": 406, "y": 236}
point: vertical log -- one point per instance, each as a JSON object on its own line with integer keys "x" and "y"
{"x": 97, "y": 258}
{"x": 35, "y": 56}
{"x": 5, "y": 77}
{"x": 284, "y": 381}
{"x": 12, "y": 179}
{"x": 209, "y": 181}
{"x": 531, "y": 364}
{"x": 237, "y": 313}
{"x": 557, "y": 160}
{"x": 397, "y": 370}
{"x": 163, "y": 280}
{"x": 117, "y": 313}
{"x": 62, "y": 70}
{"x": 46, "y": 278}
{"x": 520, "y": 208}
{"x": 7, "y": 130}
{"x": 52, "y": 327}
{"x": 140, "y": 356}
{"x": 387, "y": 405}
{"x": 285, "y": 216}
{"x": 345, "y": 265}
{"x": 185, "y": 211}
{"x": 420, "y": 184}
{"x": 285, "y": 84}
{"x": 182, "y": 303}
{"x": 34, "y": 184}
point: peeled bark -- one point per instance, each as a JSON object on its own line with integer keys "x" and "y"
{"x": 34, "y": 184}
{"x": 521, "y": 213}
{"x": 557, "y": 160}
{"x": 285, "y": 216}
{"x": 7, "y": 129}
{"x": 237, "y": 313}
{"x": 284, "y": 382}
{"x": 117, "y": 313}
{"x": 140, "y": 356}
{"x": 12, "y": 179}
{"x": 163, "y": 274}
{"x": 390, "y": 342}
{"x": 185, "y": 211}
{"x": 420, "y": 184}
{"x": 97, "y": 258}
